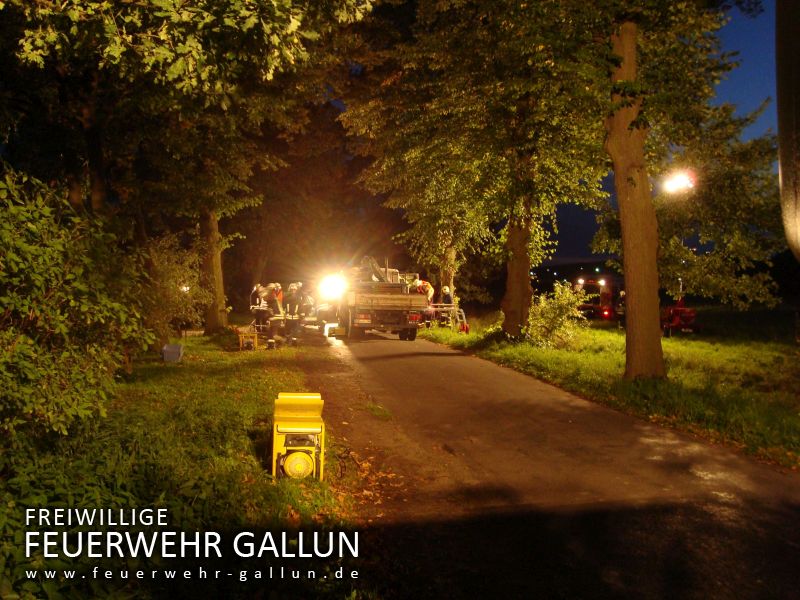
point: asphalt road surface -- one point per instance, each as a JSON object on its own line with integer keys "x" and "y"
{"x": 517, "y": 489}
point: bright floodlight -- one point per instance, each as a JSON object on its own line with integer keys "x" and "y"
{"x": 678, "y": 182}
{"x": 602, "y": 282}
{"x": 581, "y": 281}
{"x": 332, "y": 287}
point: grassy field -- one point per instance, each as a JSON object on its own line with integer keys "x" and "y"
{"x": 192, "y": 437}
{"x": 738, "y": 381}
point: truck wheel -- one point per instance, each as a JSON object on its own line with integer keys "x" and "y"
{"x": 353, "y": 332}
{"x": 348, "y": 326}
{"x": 411, "y": 334}
{"x": 403, "y": 334}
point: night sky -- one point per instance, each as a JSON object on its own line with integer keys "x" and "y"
{"x": 746, "y": 87}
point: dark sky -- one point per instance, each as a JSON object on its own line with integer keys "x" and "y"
{"x": 754, "y": 80}
{"x": 746, "y": 87}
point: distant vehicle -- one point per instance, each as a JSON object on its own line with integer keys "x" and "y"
{"x": 678, "y": 317}
{"x": 600, "y": 303}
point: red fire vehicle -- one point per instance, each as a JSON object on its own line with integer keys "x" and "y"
{"x": 600, "y": 303}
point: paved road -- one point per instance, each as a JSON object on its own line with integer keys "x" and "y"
{"x": 519, "y": 489}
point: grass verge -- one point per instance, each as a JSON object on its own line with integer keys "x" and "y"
{"x": 733, "y": 388}
{"x": 192, "y": 437}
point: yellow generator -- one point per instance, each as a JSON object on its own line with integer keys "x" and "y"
{"x": 298, "y": 436}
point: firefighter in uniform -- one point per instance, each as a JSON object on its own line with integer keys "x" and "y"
{"x": 424, "y": 288}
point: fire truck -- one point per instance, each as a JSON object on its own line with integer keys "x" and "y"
{"x": 600, "y": 303}
{"x": 368, "y": 297}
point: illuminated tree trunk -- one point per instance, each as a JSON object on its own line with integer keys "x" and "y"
{"x": 447, "y": 271}
{"x": 216, "y": 313}
{"x": 516, "y": 303}
{"x": 787, "y": 54}
{"x": 625, "y": 145}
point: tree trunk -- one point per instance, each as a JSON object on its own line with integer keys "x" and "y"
{"x": 787, "y": 54}
{"x": 93, "y": 135}
{"x": 258, "y": 270}
{"x": 625, "y": 140}
{"x": 447, "y": 271}
{"x": 75, "y": 195}
{"x": 216, "y": 313}
{"x": 516, "y": 302}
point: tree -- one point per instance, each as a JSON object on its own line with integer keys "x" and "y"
{"x": 665, "y": 62}
{"x": 479, "y": 87}
{"x": 625, "y": 145}
{"x": 200, "y": 171}
{"x": 521, "y": 83}
{"x": 447, "y": 222}
{"x": 313, "y": 216}
{"x": 713, "y": 236}
{"x": 787, "y": 17}
{"x": 113, "y": 67}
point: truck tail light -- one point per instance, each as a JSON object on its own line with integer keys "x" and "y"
{"x": 413, "y": 317}
{"x": 363, "y": 318}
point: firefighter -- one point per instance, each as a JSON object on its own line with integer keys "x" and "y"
{"x": 265, "y": 307}
{"x": 424, "y": 288}
{"x": 298, "y": 302}
{"x": 306, "y": 301}
{"x": 266, "y": 298}
{"x": 291, "y": 308}
{"x": 447, "y": 297}
{"x": 272, "y": 299}
{"x": 292, "y": 302}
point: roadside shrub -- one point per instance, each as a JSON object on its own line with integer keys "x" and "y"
{"x": 68, "y": 313}
{"x": 172, "y": 296}
{"x": 554, "y": 318}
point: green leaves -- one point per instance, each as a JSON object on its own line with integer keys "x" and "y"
{"x": 716, "y": 238}
{"x": 224, "y": 39}
{"x": 176, "y": 69}
{"x": 63, "y": 326}
{"x": 555, "y": 318}
{"x": 480, "y": 112}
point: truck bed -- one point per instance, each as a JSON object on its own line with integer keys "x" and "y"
{"x": 387, "y": 301}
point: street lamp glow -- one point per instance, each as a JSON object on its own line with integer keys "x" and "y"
{"x": 679, "y": 181}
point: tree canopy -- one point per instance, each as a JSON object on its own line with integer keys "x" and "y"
{"x": 150, "y": 117}
{"x": 506, "y": 109}
{"x": 470, "y": 116}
